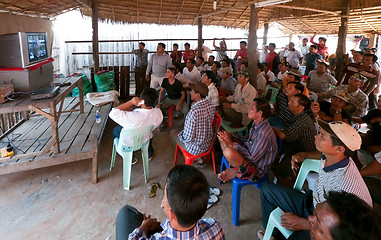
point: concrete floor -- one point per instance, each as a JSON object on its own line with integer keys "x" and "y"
{"x": 69, "y": 206}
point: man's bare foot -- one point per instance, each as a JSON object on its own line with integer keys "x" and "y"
{"x": 227, "y": 175}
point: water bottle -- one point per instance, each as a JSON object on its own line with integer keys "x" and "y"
{"x": 97, "y": 116}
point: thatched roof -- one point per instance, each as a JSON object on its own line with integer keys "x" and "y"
{"x": 297, "y": 16}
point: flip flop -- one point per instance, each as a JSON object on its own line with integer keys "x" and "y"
{"x": 212, "y": 200}
{"x": 214, "y": 191}
{"x": 154, "y": 188}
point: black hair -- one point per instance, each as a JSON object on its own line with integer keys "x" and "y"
{"x": 176, "y": 45}
{"x": 201, "y": 58}
{"x": 360, "y": 52}
{"x": 246, "y": 63}
{"x": 162, "y": 45}
{"x": 187, "y": 44}
{"x": 210, "y": 75}
{"x": 149, "y": 95}
{"x": 357, "y": 220}
{"x": 212, "y": 57}
{"x": 218, "y": 64}
{"x": 142, "y": 43}
{"x": 192, "y": 61}
{"x": 264, "y": 106}
{"x": 313, "y": 46}
{"x": 266, "y": 64}
{"x": 173, "y": 70}
{"x": 260, "y": 66}
{"x": 337, "y": 142}
{"x": 303, "y": 100}
{"x": 187, "y": 193}
{"x": 272, "y": 44}
{"x": 227, "y": 61}
{"x": 325, "y": 65}
{"x": 243, "y": 42}
{"x": 178, "y": 67}
{"x": 323, "y": 39}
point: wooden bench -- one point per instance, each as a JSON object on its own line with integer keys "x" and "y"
{"x": 79, "y": 138}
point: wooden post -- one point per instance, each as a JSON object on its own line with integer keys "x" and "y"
{"x": 266, "y": 25}
{"x": 200, "y": 38}
{"x": 252, "y": 52}
{"x": 94, "y": 18}
{"x": 340, "y": 51}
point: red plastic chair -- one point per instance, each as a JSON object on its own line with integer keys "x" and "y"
{"x": 170, "y": 114}
{"x": 189, "y": 158}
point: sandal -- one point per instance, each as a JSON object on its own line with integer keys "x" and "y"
{"x": 212, "y": 200}
{"x": 214, "y": 191}
{"x": 154, "y": 188}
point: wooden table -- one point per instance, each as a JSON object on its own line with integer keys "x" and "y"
{"x": 39, "y": 106}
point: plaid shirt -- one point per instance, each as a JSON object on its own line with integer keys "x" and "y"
{"x": 303, "y": 132}
{"x": 197, "y": 134}
{"x": 213, "y": 95}
{"x": 358, "y": 100}
{"x": 205, "y": 229}
{"x": 259, "y": 147}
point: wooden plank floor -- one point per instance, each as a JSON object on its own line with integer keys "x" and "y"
{"x": 77, "y": 133}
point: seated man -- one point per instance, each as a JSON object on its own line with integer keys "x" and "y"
{"x": 200, "y": 65}
{"x": 228, "y": 83}
{"x": 261, "y": 81}
{"x": 250, "y": 156}
{"x": 198, "y": 133}
{"x": 334, "y": 110}
{"x": 185, "y": 199}
{"x": 269, "y": 75}
{"x": 335, "y": 144}
{"x": 299, "y": 137}
{"x": 333, "y": 219}
{"x": 284, "y": 117}
{"x": 294, "y": 75}
{"x": 208, "y": 79}
{"x": 176, "y": 95}
{"x": 358, "y": 100}
{"x": 319, "y": 80}
{"x": 191, "y": 72}
{"x": 238, "y": 105}
{"x": 373, "y": 183}
{"x": 146, "y": 115}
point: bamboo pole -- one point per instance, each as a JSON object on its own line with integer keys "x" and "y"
{"x": 252, "y": 52}
{"x": 95, "y": 37}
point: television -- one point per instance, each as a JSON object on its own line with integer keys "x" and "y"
{"x": 22, "y": 49}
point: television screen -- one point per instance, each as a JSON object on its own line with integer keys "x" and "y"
{"x": 37, "y": 46}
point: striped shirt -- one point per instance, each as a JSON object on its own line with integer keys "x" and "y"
{"x": 284, "y": 114}
{"x": 259, "y": 147}
{"x": 320, "y": 84}
{"x": 303, "y": 132}
{"x": 342, "y": 176}
{"x": 213, "y": 95}
{"x": 197, "y": 134}
{"x": 204, "y": 229}
{"x": 358, "y": 100}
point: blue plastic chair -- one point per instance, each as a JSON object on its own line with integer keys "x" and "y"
{"x": 237, "y": 185}
{"x": 137, "y": 136}
{"x": 309, "y": 165}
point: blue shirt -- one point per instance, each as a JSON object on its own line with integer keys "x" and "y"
{"x": 259, "y": 147}
{"x": 311, "y": 62}
{"x": 205, "y": 229}
{"x": 197, "y": 134}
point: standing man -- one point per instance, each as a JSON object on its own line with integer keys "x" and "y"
{"x": 242, "y": 53}
{"x": 293, "y": 56}
{"x": 311, "y": 57}
{"x": 322, "y": 48}
{"x": 158, "y": 64}
{"x": 304, "y": 47}
{"x": 273, "y": 58}
{"x": 221, "y": 50}
{"x": 141, "y": 62}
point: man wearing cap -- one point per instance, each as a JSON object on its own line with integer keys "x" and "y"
{"x": 293, "y": 56}
{"x": 319, "y": 80}
{"x": 158, "y": 64}
{"x": 322, "y": 48}
{"x": 311, "y": 57}
{"x": 358, "y": 100}
{"x": 198, "y": 133}
{"x": 238, "y": 104}
{"x": 334, "y": 110}
{"x": 335, "y": 144}
{"x": 228, "y": 83}
{"x": 141, "y": 62}
{"x": 241, "y": 54}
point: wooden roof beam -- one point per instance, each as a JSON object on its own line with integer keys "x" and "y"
{"x": 199, "y": 10}
{"x": 85, "y": 3}
{"x": 307, "y": 9}
{"x": 181, "y": 9}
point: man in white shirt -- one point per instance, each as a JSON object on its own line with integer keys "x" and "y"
{"x": 238, "y": 105}
{"x": 212, "y": 96}
{"x": 261, "y": 81}
{"x": 191, "y": 72}
{"x": 146, "y": 115}
{"x": 293, "y": 56}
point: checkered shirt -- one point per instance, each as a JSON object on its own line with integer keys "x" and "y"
{"x": 213, "y": 95}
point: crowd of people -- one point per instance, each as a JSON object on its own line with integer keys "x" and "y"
{"x": 296, "y": 100}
